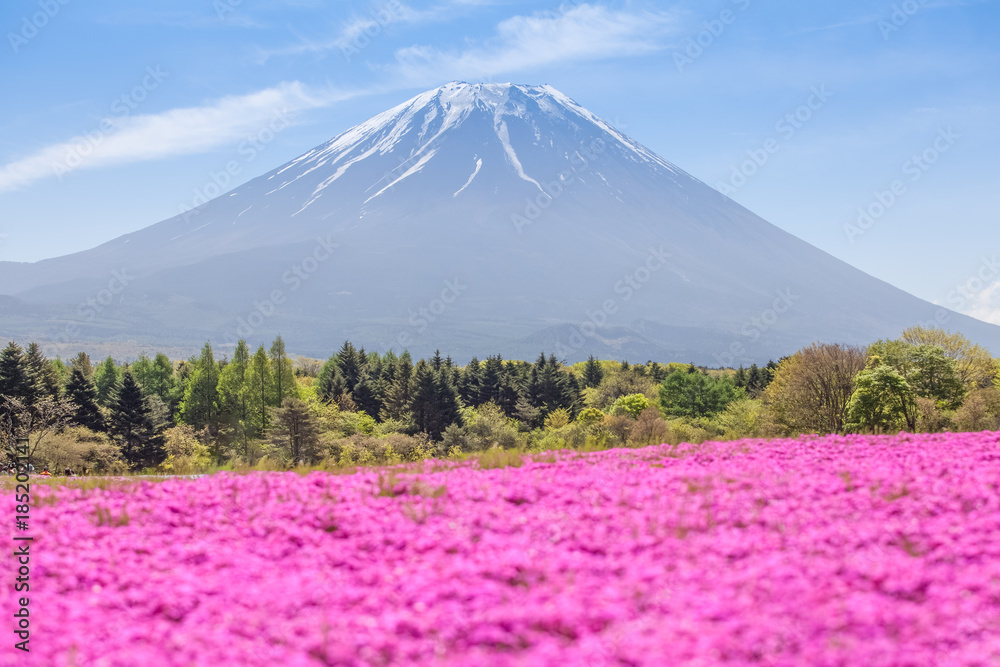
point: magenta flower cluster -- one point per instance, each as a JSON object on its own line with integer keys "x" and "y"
{"x": 859, "y": 550}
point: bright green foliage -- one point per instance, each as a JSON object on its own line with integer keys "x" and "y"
{"x": 557, "y": 419}
{"x": 590, "y": 417}
{"x": 200, "y": 406}
{"x": 929, "y": 371}
{"x": 882, "y": 401}
{"x": 631, "y": 405}
{"x": 743, "y": 418}
{"x": 106, "y": 377}
{"x": 130, "y": 422}
{"x": 690, "y": 393}
{"x": 155, "y": 376}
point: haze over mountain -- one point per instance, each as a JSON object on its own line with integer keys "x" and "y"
{"x": 477, "y": 218}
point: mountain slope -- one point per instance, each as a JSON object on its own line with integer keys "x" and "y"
{"x": 476, "y": 218}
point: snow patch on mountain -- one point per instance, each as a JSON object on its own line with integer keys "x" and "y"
{"x": 479, "y": 165}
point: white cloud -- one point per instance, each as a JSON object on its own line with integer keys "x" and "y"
{"x": 124, "y": 139}
{"x": 574, "y": 33}
{"x": 985, "y": 304}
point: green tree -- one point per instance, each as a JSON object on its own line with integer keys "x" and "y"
{"x": 155, "y": 376}
{"x": 106, "y": 377}
{"x": 130, "y": 423}
{"x": 200, "y": 405}
{"x": 283, "y": 372}
{"x": 397, "y": 399}
{"x": 296, "y": 431}
{"x": 82, "y": 394}
{"x": 694, "y": 394}
{"x": 260, "y": 390}
{"x": 811, "y": 389}
{"x": 882, "y": 401}
{"x": 42, "y": 374}
{"x": 82, "y": 361}
{"x": 234, "y": 395}
{"x": 631, "y": 405}
{"x": 592, "y": 372}
{"x": 15, "y": 376}
{"x": 433, "y": 400}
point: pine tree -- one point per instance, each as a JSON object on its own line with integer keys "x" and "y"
{"x": 15, "y": 376}
{"x": 740, "y": 379}
{"x": 296, "y": 431}
{"x": 82, "y": 394}
{"x": 469, "y": 383}
{"x": 350, "y": 363}
{"x": 754, "y": 384}
{"x": 397, "y": 400}
{"x": 260, "y": 390}
{"x": 15, "y": 382}
{"x": 433, "y": 401}
{"x": 82, "y": 362}
{"x": 44, "y": 380}
{"x": 284, "y": 374}
{"x": 592, "y": 372}
{"x": 366, "y": 396}
{"x": 130, "y": 422}
{"x": 106, "y": 377}
{"x": 200, "y": 406}
{"x": 234, "y": 406}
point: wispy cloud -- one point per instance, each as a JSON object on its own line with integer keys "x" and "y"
{"x": 361, "y": 27}
{"x": 127, "y": 139}
{"x": 581, "y": 33}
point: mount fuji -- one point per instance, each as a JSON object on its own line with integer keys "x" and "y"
{"x": 474, "y": 218}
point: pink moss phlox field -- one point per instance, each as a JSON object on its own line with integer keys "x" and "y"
{"x": 837, "y": 550}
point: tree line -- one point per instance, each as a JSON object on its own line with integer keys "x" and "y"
{"x": 367, "y": 407}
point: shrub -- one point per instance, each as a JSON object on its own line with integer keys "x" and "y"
{"x": 630, "y": 405}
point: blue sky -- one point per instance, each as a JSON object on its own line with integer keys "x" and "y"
{"x": 116, "y": 115}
